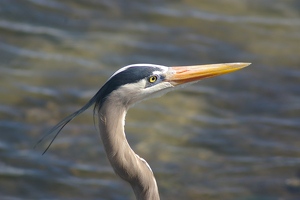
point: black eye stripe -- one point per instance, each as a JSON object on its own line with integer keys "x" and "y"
{"x": 129, "y": 75}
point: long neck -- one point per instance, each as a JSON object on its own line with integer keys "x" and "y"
{"x": 128, "y": 165}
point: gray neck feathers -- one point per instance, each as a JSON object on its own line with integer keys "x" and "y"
{"x": 128, "y": 165}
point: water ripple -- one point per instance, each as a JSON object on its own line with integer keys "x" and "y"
{"x": 33, "y": 29}
{"x": 44, "y": 55}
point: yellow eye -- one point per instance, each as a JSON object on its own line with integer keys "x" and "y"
{"x": 152, "y": 79}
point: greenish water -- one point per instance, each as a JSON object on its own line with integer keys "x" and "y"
{"x": 233, "y": 137}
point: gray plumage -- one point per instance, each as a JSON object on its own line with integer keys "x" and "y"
{"x": 123, "y": 89}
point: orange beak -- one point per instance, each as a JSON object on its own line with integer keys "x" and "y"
{"x": 184, "y": 74}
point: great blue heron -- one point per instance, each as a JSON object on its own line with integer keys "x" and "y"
{"x": 123, "y": 89}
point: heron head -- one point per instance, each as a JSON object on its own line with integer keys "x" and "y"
{"x": 138, "y": 82}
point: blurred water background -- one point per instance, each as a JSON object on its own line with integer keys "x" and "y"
{"x": 233, "y": 137}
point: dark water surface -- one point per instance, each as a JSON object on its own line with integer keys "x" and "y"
{"x": 235, "y": 136}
